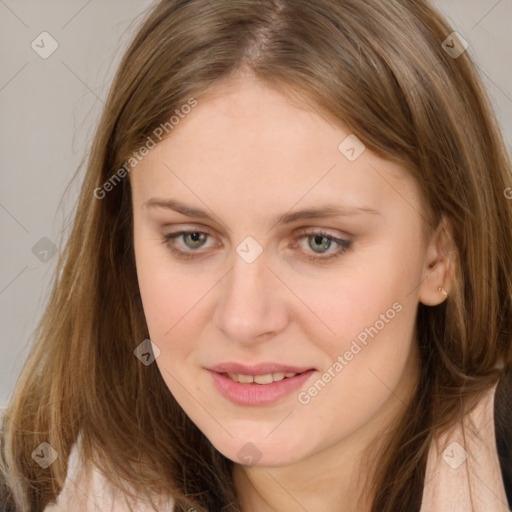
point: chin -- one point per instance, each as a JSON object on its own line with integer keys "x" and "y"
{"x": 259, "y": 452}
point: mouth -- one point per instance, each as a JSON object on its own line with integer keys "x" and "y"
{"x": 260, "y": 384}
{"x": 265, "y": 378}
{"x": 262, "y": 373}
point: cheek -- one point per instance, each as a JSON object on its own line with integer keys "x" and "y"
{"x": 373, "y": 313}
{"x": 171, "y": 306}
{"x": 363, "y": 379}
{"x": 171, "y": 303}
{"x": 165, "y": 287}
{"x": 167, "y": 294}
{"x": 372, "y": 290}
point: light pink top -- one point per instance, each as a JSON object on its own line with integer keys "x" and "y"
{"x": 451, "y": 472}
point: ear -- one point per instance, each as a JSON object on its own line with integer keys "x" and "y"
{"x": 439, "y": 266}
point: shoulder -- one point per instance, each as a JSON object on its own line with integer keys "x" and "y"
{"x": 463, "y": 470}
{"x": 87, "y": 490}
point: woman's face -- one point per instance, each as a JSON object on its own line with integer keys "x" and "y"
{"x": 242, "y": 294}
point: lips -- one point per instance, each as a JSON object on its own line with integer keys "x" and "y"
{"x": 258, "y": 394}
{"x": 258, "y": 384}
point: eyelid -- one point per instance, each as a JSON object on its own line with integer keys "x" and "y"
{"x": 344, "y": 244}
{"x": 299, "y": 231}
{"x": 321, "y": 229}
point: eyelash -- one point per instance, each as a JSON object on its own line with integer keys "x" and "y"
{"x": 345, "y": 245}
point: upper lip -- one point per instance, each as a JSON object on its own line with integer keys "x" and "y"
{"x": 258, "y": 369}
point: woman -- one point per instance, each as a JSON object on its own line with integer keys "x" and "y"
{"x": 288, "y": 285}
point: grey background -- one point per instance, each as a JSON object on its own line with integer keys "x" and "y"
{"x": 50, "y": 108}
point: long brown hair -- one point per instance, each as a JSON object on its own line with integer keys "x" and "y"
{"x": 381, "y": 69}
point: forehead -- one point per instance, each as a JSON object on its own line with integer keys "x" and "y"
{"x": 255, "y": 147}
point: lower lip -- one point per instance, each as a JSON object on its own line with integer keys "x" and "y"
{"x": 258, "y": 394}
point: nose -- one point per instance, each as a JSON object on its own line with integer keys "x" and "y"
{"x": 252, "y": 304}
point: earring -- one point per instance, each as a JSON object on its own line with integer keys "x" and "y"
{"x": 443, "y": 291}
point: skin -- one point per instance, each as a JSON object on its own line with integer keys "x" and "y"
{"x": 247, "y": 153}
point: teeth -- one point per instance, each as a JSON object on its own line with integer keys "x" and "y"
{"x": 263, "y": 379}
{"x": 260, "y": 379}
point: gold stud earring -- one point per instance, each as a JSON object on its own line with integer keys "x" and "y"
{"x": 443, "y": 291}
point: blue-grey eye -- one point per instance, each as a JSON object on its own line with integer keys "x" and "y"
{"x": 320, "y": 240}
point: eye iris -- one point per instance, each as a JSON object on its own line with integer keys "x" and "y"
{"x": 316, "y": 239}
{"x": 196, "y": 237}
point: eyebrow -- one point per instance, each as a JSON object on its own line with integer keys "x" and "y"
{"x": 324, "y": 211}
